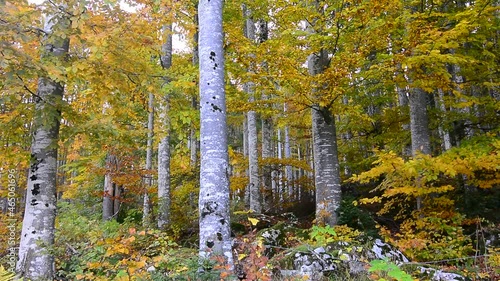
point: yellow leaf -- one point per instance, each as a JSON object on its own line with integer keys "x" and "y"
{"x": 241, "y": 256}
{"x": 253, "y": 221}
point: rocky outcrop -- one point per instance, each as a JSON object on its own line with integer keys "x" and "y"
{"x": 339, "y": 258}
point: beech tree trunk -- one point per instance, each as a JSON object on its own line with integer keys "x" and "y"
{"x": 164, "y": 200}
{"x": 288, "y": 168}
{"x": 108, "y": 206}
{"x": 146, "y": 207}
{"x": 278, "y": 174}
{"x": 326, "y": 162}
{"x": 253, "y": 153}
{"x": 419, "y": 122}
{"x": 215, "y": 234}
{"x": 36, "y": 261}
{"x": 419, "y": 127}
{"x": 262, "y": 35}
{"x": 326, "y": 166}
{"x": 267, "y": 152}
{"x": 112, "y": 191}
{"x": 193, "y": 140}
{"x": 443, "y": 133}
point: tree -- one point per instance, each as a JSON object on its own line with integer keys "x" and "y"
{"x": 214, "y": 178}
{"x": 146, "y": 207}
{"x": 109, "y": 197}
{"x": 326, "y": 162}
{"x": 253, "y": 153}
{"x": 164, "y": 146}
{"x": 35, "y": 259}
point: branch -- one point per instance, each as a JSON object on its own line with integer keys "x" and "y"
{"x": 28, "y": 89}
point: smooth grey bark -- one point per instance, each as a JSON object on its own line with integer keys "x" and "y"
{"x": 253, "y": 153}
{"x": 110, "y": 202}
{"x": 194, "y": 144}
{"x": 253, "y": 164}
{"x": 288, "y": 155}
{"x": 245, "y": 136}
{"x": 36, "y": 261}
{"x": 116, "y": 202}
{"x": 325, "y": 152}
{"x": 215, "y": 236}
{"x": 419, "y": 122}
{"x": 326, "y": 166}
{"x": 107, "y": 201}
{"x": 146, "y": 207}
{"x": 164, "y": 200}
{"x": 262, "y": 34}
{"x": 419, "y": 128}
{"x": 267, "y": 152}
{"x": 403, "y": 105}
{"x": 278, "y": 176}
{"x": 193, "y": 140}
{"x": 444, "y": 134}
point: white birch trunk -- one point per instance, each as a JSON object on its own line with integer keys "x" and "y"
{"x": 164, "y": 200}
{"x": 36, "y": 261}
{"x": 215, "y": 238}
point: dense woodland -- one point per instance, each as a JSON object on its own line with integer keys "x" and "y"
{"x": 140, "y": 139}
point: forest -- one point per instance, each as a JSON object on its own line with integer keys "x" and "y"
{"x": 250, "y": 140}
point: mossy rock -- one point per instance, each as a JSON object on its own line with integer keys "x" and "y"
{"x": 275, "y": 237}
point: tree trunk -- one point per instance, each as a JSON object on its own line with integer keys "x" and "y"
{"x": 117, "y": 200}
{"x": 262, "y": 35}
{"x": 164, "y": 183}
{"x": 214, "y": 178}
{"x": 326, "y": 166}
{"x": 253, "y": 153}
{"x": 253, "y": 164}
{"x": 194, "y": 144}
{"x": 107, "y": 201}
{"x": 193, "y": 140}
{"x": 288, "y": 168}
{"x": 326, "y": 162}
{"x": 267, "y": 152}
{"x": 419, "y": 123}
{"x": 36, "y": 261}
{"x": 443, "y": 133}
{"x": 419, "y": 128}
{"x": 146, "y": 207}
{"x": 278, "y": 174}
{"x": 164, "y": 146}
